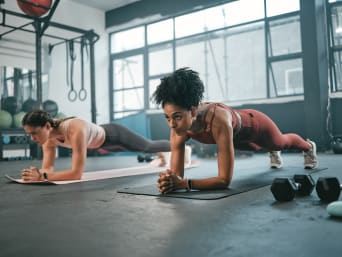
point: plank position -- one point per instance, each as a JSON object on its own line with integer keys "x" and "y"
{"x": 80, "y": 135}
{"x": 180, "y": 95}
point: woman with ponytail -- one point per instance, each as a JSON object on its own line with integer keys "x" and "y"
{"x": 80, "y": 135}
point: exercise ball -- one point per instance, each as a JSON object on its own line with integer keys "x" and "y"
{"x": 10, "y": 104}
{"x": 18, "y": 118}
{"x": 5, "y": 119}
{"x": 61, "y": 115}
{"x": 35, "y": 8}
{"x": 30, "y": 105}
{"x": 51, "y": 107}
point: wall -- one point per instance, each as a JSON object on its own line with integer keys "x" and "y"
{"x": 83, "y": 17}
{"x": 76, "y": 15}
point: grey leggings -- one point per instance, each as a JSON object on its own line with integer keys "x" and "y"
{"x": 121, "y": 139}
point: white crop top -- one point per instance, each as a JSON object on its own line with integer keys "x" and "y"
{"x": 95, "y": 134}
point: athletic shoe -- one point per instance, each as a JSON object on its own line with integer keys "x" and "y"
{"x": 310, "y": 157}
{"x": 276, "y": 160}
{"x": 187, "y": 155}
{"x": 164, "y": 158}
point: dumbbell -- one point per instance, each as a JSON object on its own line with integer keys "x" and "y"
{"x": 285, "y": 189}
{"x": 146, "y": 158}
{"x": 328, "y": 189}
{"x": 140, "y": 158}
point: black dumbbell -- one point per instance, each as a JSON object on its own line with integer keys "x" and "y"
{"x": 328, "y": 189}
{"x": 285, "y": 189}
{"x": 140, "y": 158}
{"x": 149, "y": 157}
{"x": 146, "y": 158}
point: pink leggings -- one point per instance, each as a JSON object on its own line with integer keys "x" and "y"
{"x": 258, "y": 132}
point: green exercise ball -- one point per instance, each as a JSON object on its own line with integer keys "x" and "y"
{"x": 17, "y": 118}
{"x": 5, "y": 119}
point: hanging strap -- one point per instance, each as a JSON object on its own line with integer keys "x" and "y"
{"x": 72, "y": 95}
{"x": 82, "y": 94}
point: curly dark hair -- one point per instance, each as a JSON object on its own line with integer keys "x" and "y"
{"x": 183, "y": 88}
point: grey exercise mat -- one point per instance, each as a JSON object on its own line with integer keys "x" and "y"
{"x": 238, "y": 185}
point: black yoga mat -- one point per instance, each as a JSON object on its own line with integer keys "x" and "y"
{"x": 238, "y": 185}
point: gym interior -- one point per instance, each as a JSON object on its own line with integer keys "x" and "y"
{"x": 101, "y": 60}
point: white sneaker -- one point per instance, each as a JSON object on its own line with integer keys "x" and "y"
{"x": 276, "y": 160}
{"x": 310, "y": 157}
{"x": 164, "y": 158}
{"x": 187, "y": 155}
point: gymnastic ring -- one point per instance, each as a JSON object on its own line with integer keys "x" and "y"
{"x": 82, "y": 94}
{"x": 72, "y": 95}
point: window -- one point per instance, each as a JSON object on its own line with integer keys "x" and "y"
{"x": 335, "y": 43}
{"x": 286, "y": 78}
{"x": 285, "y": 36}
{"x": 244, "y": 11}
{"x": 153, "y": 83}
{"x": 128, "y": 39}
{"x": 276, "y": 7}
{"x": 199, "y": 22}
{"x": 160, "y": 31}
{"x": 240, "y": 53}
{"x": 128, "y": 72}
{"x": 128, "y": 85}
{"x": 160, "y": 60}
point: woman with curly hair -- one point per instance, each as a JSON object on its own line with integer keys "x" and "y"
{"x": 180, "y": 95}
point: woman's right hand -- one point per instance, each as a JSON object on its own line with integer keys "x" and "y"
{"x": 169, "y": 181}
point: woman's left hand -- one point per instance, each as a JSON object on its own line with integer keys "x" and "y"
{"x": 31, "y": 174}
{"x": 168, "y": 181}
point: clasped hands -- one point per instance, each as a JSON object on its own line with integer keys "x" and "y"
{"x": 31, "y": 174}
{"x": 169, "y": 181}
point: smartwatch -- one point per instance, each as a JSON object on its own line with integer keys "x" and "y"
{"x": 189, "y": 188}
{"x": 45, "y": 176}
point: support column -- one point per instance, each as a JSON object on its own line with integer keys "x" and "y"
{"x": 315, "y": 70}
{"x": 92, "y": 38}
{"x": 38, "y": 28}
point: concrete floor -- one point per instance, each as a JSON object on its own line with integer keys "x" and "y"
{"x": 92, "y": 219}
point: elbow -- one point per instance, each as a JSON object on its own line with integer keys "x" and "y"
{"x": 76, "y": 175}
{"x": 225, "y": 183}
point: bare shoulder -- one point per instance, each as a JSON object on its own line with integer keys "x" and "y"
{"x": 223, "y": 115}
{"x": 76, "y": 130}
{"x": 217, "y": 115}
{"x": 222, "y": 127}
{"x": 77, "y": 124}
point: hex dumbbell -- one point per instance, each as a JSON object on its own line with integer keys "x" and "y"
{"x": 146, "y": 158}
{"x": 285, "y": 189}
{"x": 328, "y": 189}
{"x": 140, "y": 158}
